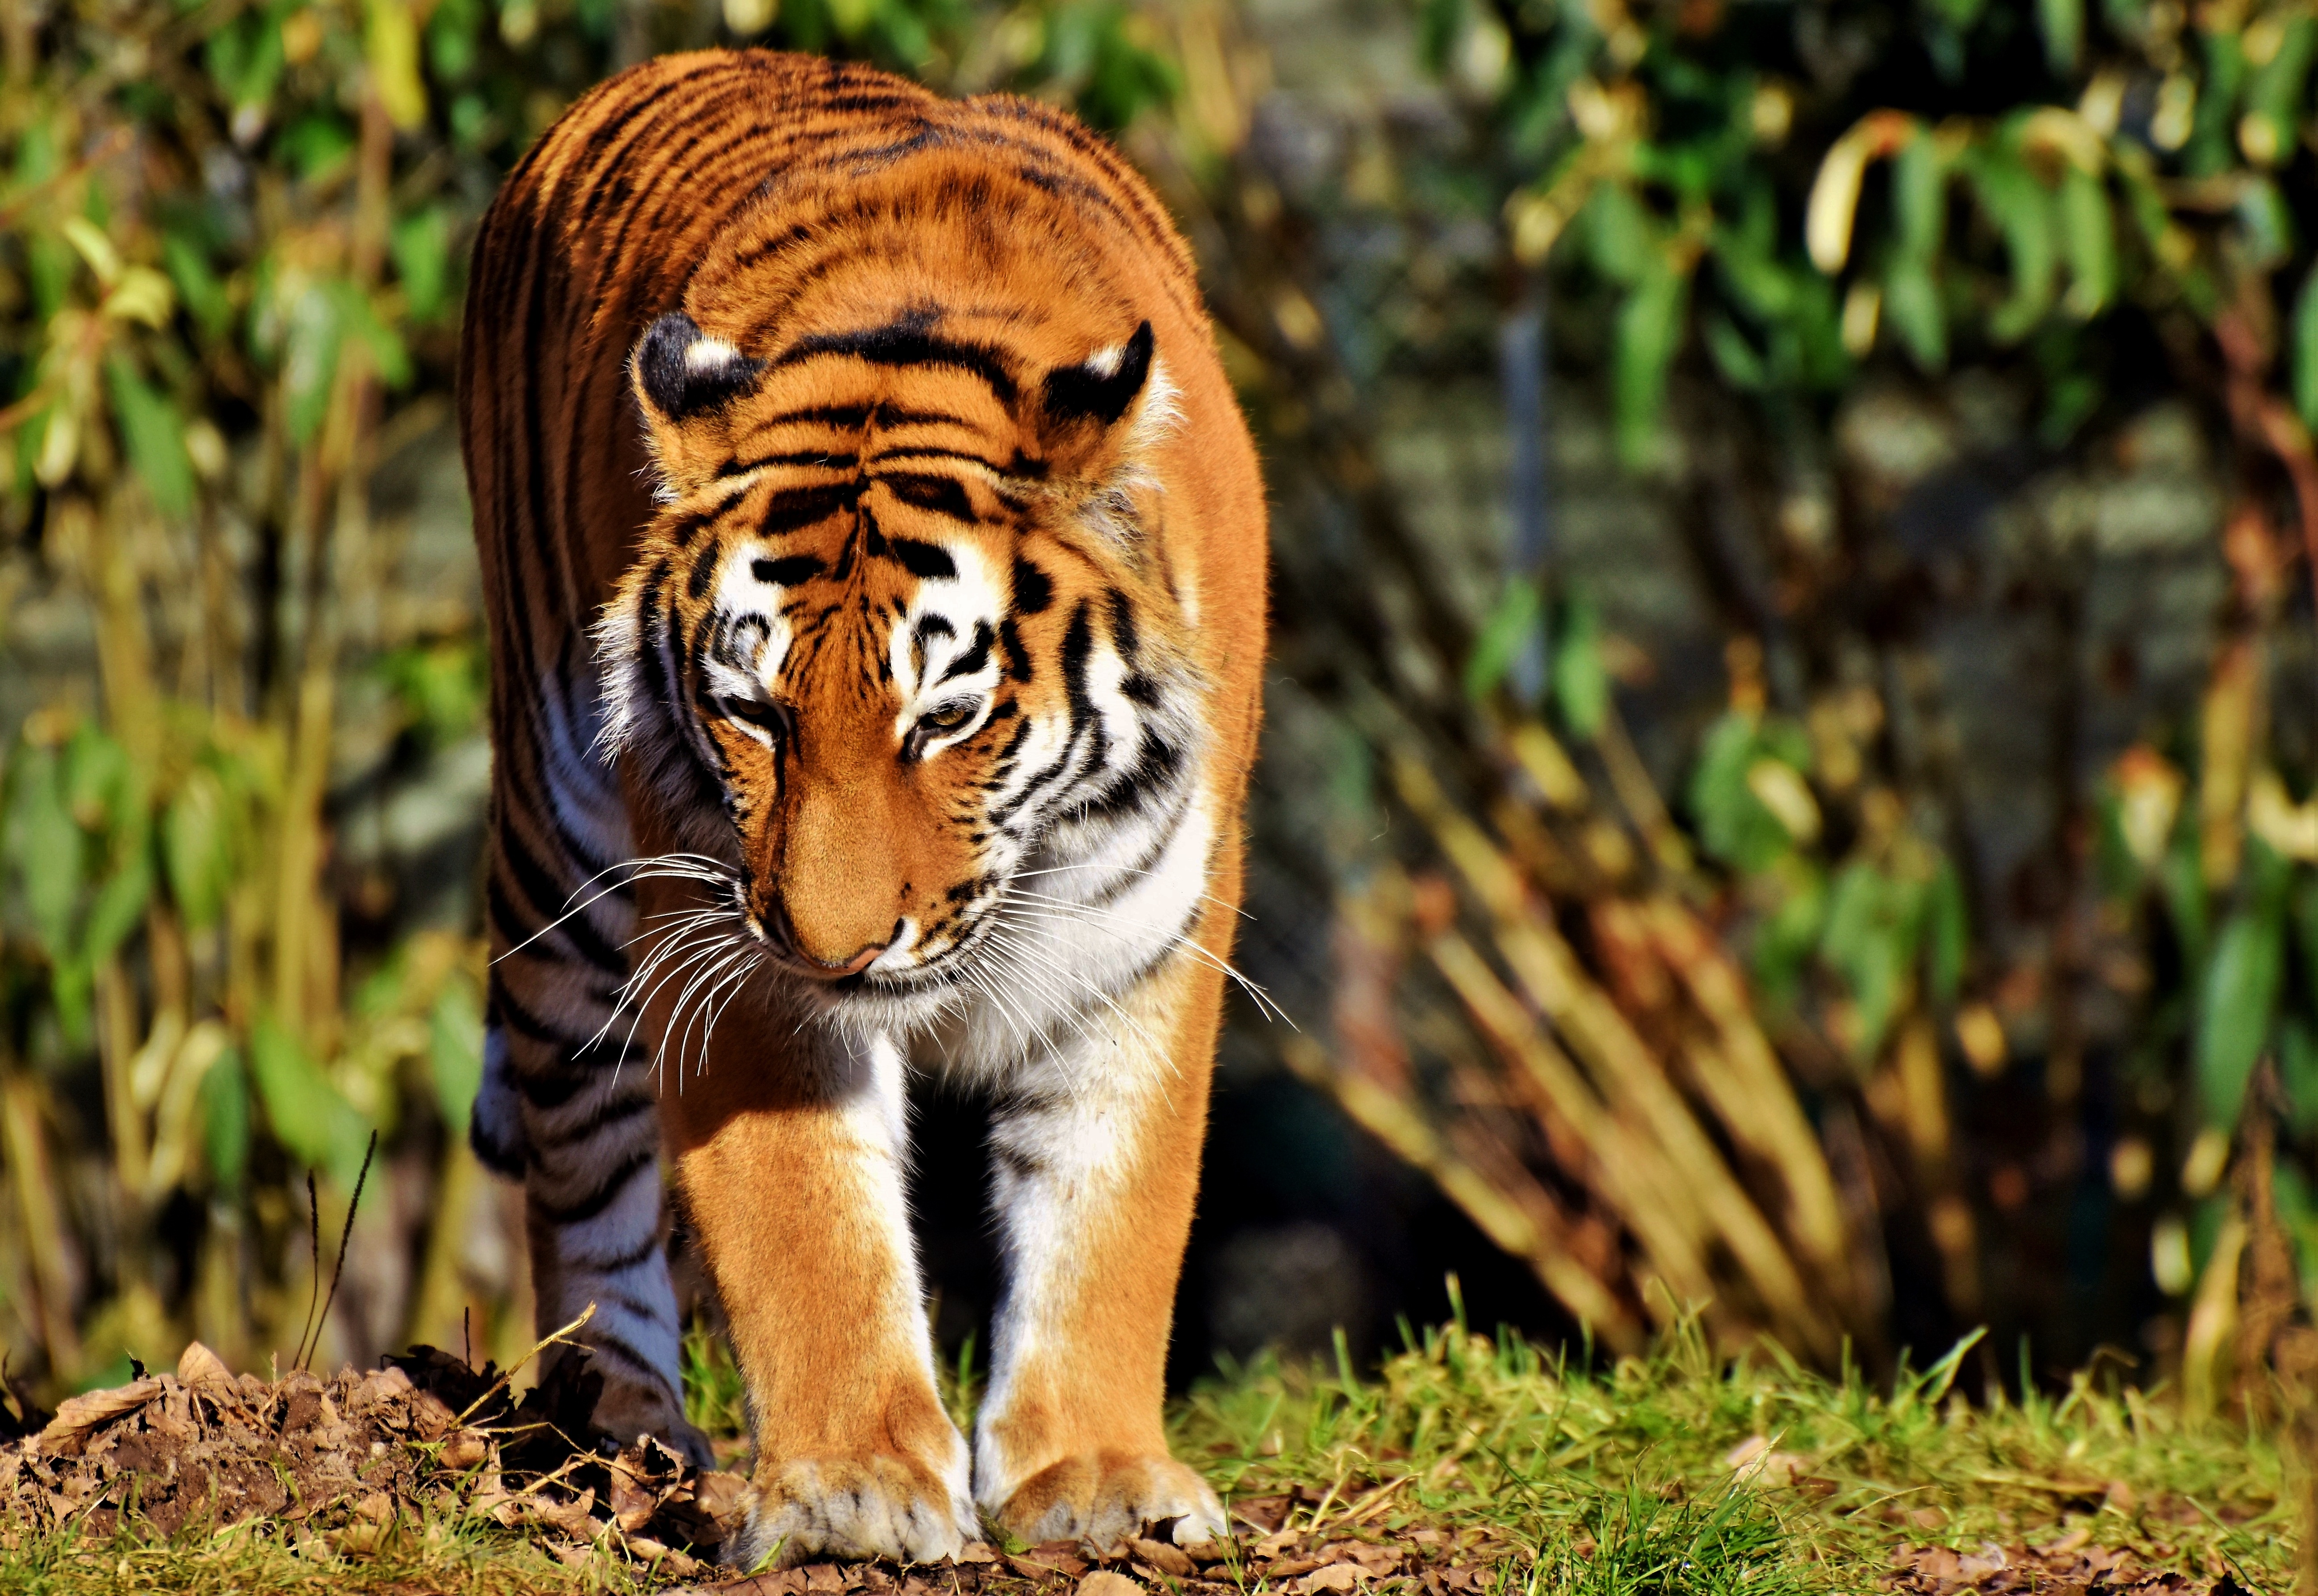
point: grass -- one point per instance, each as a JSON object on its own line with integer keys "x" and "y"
{"x": 1622, "y": 1478}
{"x": 1610, "y": 1481}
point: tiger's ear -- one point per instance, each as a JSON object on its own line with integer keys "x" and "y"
{"x": 1100, "y": 389}
{"x": 684, "y": 382}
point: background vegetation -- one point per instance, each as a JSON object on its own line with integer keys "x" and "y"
{"x": 1789, "y": 772}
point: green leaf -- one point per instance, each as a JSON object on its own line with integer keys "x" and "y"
{"x": 2297, "y": 1069}
{"x": 309, "y": 1117}
{"x": 1873, "y": 922}
{"x": 1439, "y": 25}
{"x": 2305, "y": 350}
{"x": 2089, "y": 240}
{"x": 2211, "y": 148}
{"x": 117, "y": 905}
{"x": 2306, "y": 917}
{"x": 360, "y": 319}
{"x": 444, "y": 687}
{"x": 453, "y": 42}
{"x": 2062, "y": 24}
{"x": 1733, "y": 356}
{"x": 155, "y": 436}
{"x": 245, "y": 60}
{"x": 224, "y": 1099}
{"x": 46, "y": 847}
{"x": 317, "y": 146}
{"x": 455, "y": 1053}
{"x": 98, "y": 782}
{"x": 1947, "y": 934}
{"x": 1911, "y": 304}
{"x": 1648, "y": 332}
{"x": 1734, "y": 826}
{"x": 420, "y": 244}
{"x": 1786, "y": 937}
{"x": 1511, "y": 623}
{"x": 198, "y": 846}
{"x": 2022, "y": 209}
{"x": 1960, "y": 13}
{"x": 198, "y": 286}
{"x": 2236, "y": 1005}
{"x": 1581, "y": 685}
{"x": 1622, "y": 236}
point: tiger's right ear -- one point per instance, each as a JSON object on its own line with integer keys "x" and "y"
{"x": 685, "y": 380}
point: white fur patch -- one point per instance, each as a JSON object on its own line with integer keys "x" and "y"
{"x": 710, "y": 355}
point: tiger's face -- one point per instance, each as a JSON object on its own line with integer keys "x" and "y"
{"x": 907, "y": 662}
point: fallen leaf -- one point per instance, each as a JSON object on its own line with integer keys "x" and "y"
{"x": 1165, "y": 1558}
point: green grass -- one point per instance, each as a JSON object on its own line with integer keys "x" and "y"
{"x": 1608, "y": 1481}
{"x": 1617, "y": 1479}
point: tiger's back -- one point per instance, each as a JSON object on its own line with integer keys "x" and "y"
{"x": 747, "y": 311}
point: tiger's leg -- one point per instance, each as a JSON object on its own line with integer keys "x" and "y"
{"x": 1097, "y": 1165}
{"x": 568, "y": 1113}
{"x": 789, "y": 1147}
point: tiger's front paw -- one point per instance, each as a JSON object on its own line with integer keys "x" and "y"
{"x": 859, "y": 1505}
{"x": 1104, "y": 1499}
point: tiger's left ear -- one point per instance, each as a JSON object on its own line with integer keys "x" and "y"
{"x": 1100, "y": 389}
{"x": 684, "y": 382}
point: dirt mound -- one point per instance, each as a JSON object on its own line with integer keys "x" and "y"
{"x": 350, "y": 1456}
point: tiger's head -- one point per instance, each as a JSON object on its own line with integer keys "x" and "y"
{"x": 904, "y": 651}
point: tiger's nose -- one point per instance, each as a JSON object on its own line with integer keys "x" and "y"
{"x": 854, "y": 966}
{"x": 782, "y": 932}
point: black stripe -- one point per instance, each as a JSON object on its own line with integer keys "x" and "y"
{"x": 944, "y": 496}
{"x": 605, "y": 1194}
{"x": 545, "y": 896}
{"x": 926, "y": 561}
{"x": 975, "y": 657}
{"x": 633, "y": 1256}
{"x": 908, "y": 341}
{"x": 1034, "y": 590}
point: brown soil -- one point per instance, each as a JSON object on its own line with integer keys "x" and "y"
{"x": 350, "y": 1457}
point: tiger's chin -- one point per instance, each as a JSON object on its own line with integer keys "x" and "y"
{"x": 868, "y": 1004}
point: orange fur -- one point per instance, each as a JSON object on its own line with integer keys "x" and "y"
{"x": 880, "y": 443}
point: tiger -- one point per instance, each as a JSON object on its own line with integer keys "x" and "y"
{"x": 875, "y": 562}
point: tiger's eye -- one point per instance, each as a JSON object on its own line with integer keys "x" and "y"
{"x": 769, "y": 718}
{"x": 949, "y": 717}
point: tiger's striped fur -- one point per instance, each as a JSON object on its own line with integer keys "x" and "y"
{"x": 874, "y": 559}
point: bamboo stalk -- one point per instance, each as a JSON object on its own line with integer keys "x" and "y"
{"x": 1624, "y": 1070}
{"x": 1750, "y": 1089}
{"x": 42, "y": 1224}
{"x": 1506, "y": 1222}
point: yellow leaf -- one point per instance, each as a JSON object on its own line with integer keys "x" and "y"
{"x": 1783, "y": 791}
{"x": 1835, "y": 192}
{"x": 2067, "y": 134}
{"x": 142, "y": 294}
{"x": 392, "y": 47}
{"x": 2287, "y": 826}
{"x": 95, "y": 248}
{"x": 59, "y": 448}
